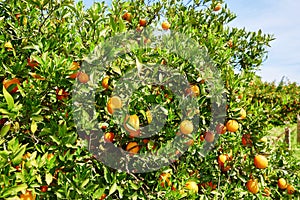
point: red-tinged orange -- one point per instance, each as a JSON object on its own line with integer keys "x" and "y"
{"x": 113, "y": 104}
{"x": 127, "y": 16}
{"x": 192, "y": 186}
{"x": 105, "y": 82}
{"x": 246, "y": 140}
{"x": 74, "y": 75}
{"x": 75, "y": 66}
{"x": 260, "y": 162}
{"x": 290, "y": 189}
{"x": 267, "y": 192}
{"x": 165, "y": 25}
{"x": 109, "y": 137}
{"x": 186, "y": 127}
{"x": 50, "y": 156}
{"x": 282, "y": 184}
{"x": 61, "y": 94}
{"x": 44, "y": 188}
{"x": 27, "y": 196}
{"x": 103, "y": 196}
{"x": 143, "y": 22}
{"x": 221, "y": 129}
{"x": 12, "y": 82}
{"x": 218, "y": 7}
{"x": 252, "y": 186}
{"x": 193, "y": 90}
{"x": 83, "y": 77}
{"x": 32, "y": 63}
{"x": 209, "y": 136}
{"x": 133, "y": 147}
{"x": 165, "y": 178}
{"x": 232, "y": 125}
{"x": 230, "y": 44}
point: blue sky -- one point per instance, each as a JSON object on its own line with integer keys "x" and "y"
{"x": 278, "y": 17}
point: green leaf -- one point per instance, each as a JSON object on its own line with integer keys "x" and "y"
{"x": 49, "y": 178}
{"x": 18, "y": 155}
{"x": 85, "y": 182}
{"x": 33, "y": 126}
{"x": 113, "y": 189}
{"x": 9, "y": 99}
{"x": 98, "y": 193}
{"x": 5, "y": 129}
{"x": 14, "y": 190}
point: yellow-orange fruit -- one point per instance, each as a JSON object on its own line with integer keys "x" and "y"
{"x": 260, "y": 162}
{"x": 133, "y": 147}
{"x": 165, "y": 25}
{"x": 252, "y": 186}
{"x": 282, "y": 184}
{"x": 186, "y": 127}
{"x": 232, "y": 125}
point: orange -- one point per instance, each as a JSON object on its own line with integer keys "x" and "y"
{"x": 143, "y": 22}
{"x": 221, "y": 129}
{"x": 232, "y": 125}
{"x": 165, "y": 25}
{"x": 195, "y": 90}
{"x": 218, "y": 7}
{"x": 260, "y": 162}
{"x": 133, "y": 147}
{"x": 61, "y": 94}
{"x": 27, "y": 196}
{"x": 230, "y": 44}
{"x": 32, "y": 63}
{"x": 105, "y": 82}
{"x": 44, "y": 188}
{"x": 127, "y": 16}
{"x": 290, "y": 189}
{"x": 282, "y": 184}
{"x": 186, "y": 127}
{"x": 252, "y": 186}
{"x": 192, "y": 186}
{"x": 246, "y": 140}
{"x": 8, "y": 83}
{"x": 209, "y": 136}
{"x": 165, "y": 177}
{"x": 50, "y": 156}
{"x": 114, "y": 103}
{"x": 222, "y": 159}
{"x": 83, "y": 77}
{"x": 74, "y": 75}
{"x": 103, "y": 196}
{"x": 267, "y": 192}
{"x": 74, "y": 66}
{"x": 109, "y": 137}
{"x": 132, "y": 123}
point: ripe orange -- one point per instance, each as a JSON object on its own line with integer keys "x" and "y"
{"x": 113, "y": 104}
{"x": 32, "y": 63}
{"x": 186, "y": 127}
{"x": 83, "y": 77}
{"x": 132, "y": 123}
{"x": 194, "y": 89}
{"x": 27, "y": 196}
{"x": 221, "y": 129}
{"x": 252, "y": 186}
{"x": 209, "y": 136}
{"x": 290, "y": 189}
{"x": 103, "y": 196}
{"x": 282, "y": 184}
{"x": 165, "y": 25}
{"x": 230, "y": 44}
{"x": 260, "y": 162}
{"x": 143, "y": 22}
{"x": 50, "y": 156}
{"x": 127, "y": 16}
{"x": 11, "y": 82}
{"x": 267, "y": 192}
{"x": 222, "y": 159}
{"x": 218, "y": 7}
{"x": 192, "y": 186}
{"x": 232, "y": 125}
{"x": 61, "y": 94}
{"x": 44, "y": 188}
{"x": 165, "y": 177}
{"x": 133, "y": 147}
{"x": 246, "y": 140}
{"x": 109, "y": 137}
{"x": 105, "y": 82}
{"x": 74, "y": 66}
{"x": 74, "y": 75}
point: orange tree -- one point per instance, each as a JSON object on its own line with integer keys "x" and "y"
{"x": 43, "y": 46}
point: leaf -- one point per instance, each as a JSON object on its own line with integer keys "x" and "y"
{"x": 5, "y": 129}
{"x": 19, "y": 155}
{"x": 117, "y": 69}
{"x": 9, "y": 99}
{"x": 113, "y": 189}
{"x": 85, "y": 182}
{"x": 33, "y": 126}
{"x": 14, "y": 190}
{"x": 138, "y": 66}
{"x": 98, "y": 193}
{"x": 49, "y": 178}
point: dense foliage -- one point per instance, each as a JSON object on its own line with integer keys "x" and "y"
{"x": 43, "y": 45}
